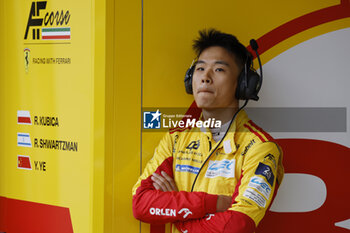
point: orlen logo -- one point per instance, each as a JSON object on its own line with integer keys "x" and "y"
{"x": 185, "y": 211}
{"x": 162, "y": 212}
{"x": 169, "y": 212}
{"x": 47, "y": 25}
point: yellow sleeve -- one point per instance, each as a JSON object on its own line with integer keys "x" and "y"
{"x": 262, "y": 173}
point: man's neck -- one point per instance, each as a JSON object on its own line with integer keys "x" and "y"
{"x": 222, "y": 114}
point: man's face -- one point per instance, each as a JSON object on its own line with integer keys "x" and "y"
{"x": 215, "y": 79}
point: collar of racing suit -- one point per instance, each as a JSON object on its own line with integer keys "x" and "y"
{"x": 229, "y": 141}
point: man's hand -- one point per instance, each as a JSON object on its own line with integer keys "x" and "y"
{"x": 223, "y": 203}
{"x": 164, "y": 182}
{"x": 167, "y": 184}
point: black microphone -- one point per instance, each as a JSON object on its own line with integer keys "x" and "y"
{"x": 254, "y": 44}
{"x": 255, "y": 47}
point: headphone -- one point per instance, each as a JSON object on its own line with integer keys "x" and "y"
{"x": 249, "y": 81}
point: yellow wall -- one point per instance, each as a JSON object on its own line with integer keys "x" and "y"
{"x": 74, "y": 92}
{"x": 125, "y": 55}
{"x": 125, "y": 51}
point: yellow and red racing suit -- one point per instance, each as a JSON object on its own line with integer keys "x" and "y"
{"x": 247, "y": 165}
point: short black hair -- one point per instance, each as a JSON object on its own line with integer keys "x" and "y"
{"x": 213, "y": 37}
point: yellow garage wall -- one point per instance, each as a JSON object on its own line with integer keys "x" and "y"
{"x": 125, "y": 55}
{"x": 127, "y": 112}
{"x": 75, "y": 93}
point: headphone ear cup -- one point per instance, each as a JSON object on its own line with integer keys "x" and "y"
{"x": 249, "y": 90}
{"x": 253, "y": 87}
{"x": 188, "y": 80}
{"x": 241, "y": 86}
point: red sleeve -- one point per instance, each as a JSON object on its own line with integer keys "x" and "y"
{"x": 224, "y": 222}
{"x": 154, "y": 206}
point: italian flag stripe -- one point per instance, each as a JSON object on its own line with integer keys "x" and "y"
{"x": 55, "y": 29}
{"x": 55, "y": 37}
{"x": 55, "y": 33}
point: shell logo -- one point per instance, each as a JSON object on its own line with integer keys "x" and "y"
{"x": 314, "y": 194}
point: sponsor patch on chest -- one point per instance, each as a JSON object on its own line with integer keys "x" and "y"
{"x": 186, "y": 168}
{"x": 223, "y": 168}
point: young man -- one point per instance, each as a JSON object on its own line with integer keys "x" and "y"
{"x": 210, "y": 180}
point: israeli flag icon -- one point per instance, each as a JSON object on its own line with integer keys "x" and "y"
{"x": 151, "y": 120}
{"x": 23, "y": 139}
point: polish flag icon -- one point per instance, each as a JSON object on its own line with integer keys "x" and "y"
{"x": 23, "y": 162}
{"x": 23, "y": 118}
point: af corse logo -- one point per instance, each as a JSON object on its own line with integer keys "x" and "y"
{"x": 151, "y": 120}
{"x": 270, "y": 158}
{"x": 55, "y": 23}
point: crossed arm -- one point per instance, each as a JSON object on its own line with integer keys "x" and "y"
{"x": 165, "y": 183}
{"x": 156, "y": 198}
